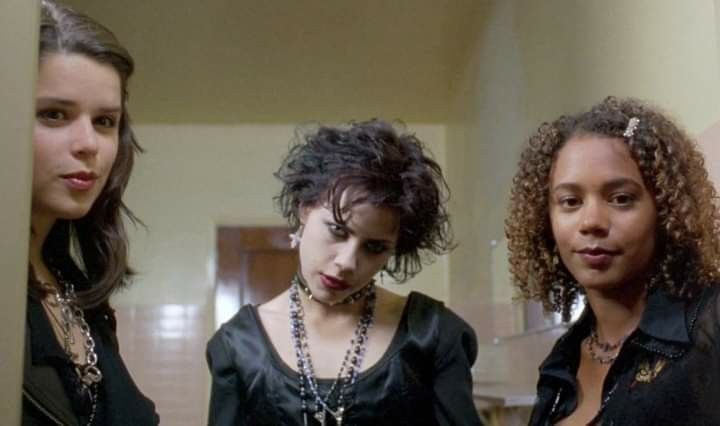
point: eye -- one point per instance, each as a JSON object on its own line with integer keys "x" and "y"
{"x": 376, "y": 247}
{"x": 336, "y": 230}
{"x": 51, "y": 115}
{"x": 106, "y": 121}
{"x": 569, "y": 202}
{"x": 622, "y": 199}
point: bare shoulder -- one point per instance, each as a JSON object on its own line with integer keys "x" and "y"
{"x": 275, "y": 309}
{"x": 389, "y": 305}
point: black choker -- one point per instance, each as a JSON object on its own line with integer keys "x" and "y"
{"x": 360, "y": 294}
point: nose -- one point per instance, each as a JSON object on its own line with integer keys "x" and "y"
{"x": 594, "y": 218}
{"x": 346, "y": 257}
{"x": 83, "y": 137}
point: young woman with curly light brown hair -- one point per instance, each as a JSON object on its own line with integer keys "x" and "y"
{"x": 614, "y": 205}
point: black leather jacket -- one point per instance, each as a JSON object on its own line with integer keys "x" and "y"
{"x": 667, "y": 372}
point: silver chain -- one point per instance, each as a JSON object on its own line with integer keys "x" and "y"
{"x": 70, "y": 313}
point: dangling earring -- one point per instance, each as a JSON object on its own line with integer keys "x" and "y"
{"x": 555, "y": 258}
{"x": 382, "y": 277}
{"x": 295, "y": 237}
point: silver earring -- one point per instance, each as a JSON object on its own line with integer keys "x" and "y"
{"x": 295, "y": 237}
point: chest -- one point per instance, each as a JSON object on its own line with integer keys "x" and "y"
{"x": 652, "y": 389}
{"x": 329, "y": 344}
{"x": 395, "y": 391}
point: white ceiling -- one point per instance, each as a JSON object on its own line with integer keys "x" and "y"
{"x": 225, "y": 61}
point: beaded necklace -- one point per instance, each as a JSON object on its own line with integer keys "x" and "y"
{"x": 593, "y": 341}
{"x": 334, "y": 402}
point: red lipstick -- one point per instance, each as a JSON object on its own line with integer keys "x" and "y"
{"x": 332, "y": 283}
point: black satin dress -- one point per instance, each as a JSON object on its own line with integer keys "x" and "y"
{"x": 422, "y": 379}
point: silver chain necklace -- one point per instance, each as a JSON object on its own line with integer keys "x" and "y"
{"x": 349, "y": 369}
{"x": 71, "y": 314}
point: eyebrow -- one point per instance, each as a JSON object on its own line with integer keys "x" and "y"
{"x": 389, "y": 242}
{"x": 64, "y": 102}
{"x": 609, "y": 185}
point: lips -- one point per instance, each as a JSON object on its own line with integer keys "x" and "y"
{"x": 597, "y": 257}
{"x": 80, "y": 181}
{"x": 333, "y": 283}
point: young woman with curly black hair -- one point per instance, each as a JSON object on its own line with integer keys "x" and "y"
{"x": 615, "y": 204}
{"x": 334, "y": 349}
{"x": 83, "y": 155}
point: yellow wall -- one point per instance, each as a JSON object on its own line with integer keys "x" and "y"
{"x": 194, "y": 177}
{"x": 709, "y": 138}
{"x": 535, "y": 60}
{"x": 18, "y": 50}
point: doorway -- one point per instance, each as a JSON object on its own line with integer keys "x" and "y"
{"x": 254, "y": 264}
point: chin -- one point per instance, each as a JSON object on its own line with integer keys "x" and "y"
{"x": 595, "y": 284}
{"x": 73, "y": 212}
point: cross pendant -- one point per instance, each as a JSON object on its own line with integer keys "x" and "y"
{"x": 339, "y": 416}
{"x": 320, "y": 416}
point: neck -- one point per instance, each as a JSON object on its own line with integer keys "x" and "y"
{"x": 618, "y": 312}
{"x": 318, "y": 309}
{"x": 40, "y": 228}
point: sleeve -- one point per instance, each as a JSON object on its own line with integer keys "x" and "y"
{"x": 225, "y": 395}
{"x": 453, "y": 384}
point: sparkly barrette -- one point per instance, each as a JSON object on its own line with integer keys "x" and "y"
{"x": 631, "y": 127}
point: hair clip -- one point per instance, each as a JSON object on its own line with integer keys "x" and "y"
{"x": 631, "y": 127}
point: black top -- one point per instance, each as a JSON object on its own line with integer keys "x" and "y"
{"x": 422, "y": 379}
{"x": 50, "y": 379}
{"x": 666, "y": 373}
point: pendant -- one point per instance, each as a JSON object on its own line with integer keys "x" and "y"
{"x": 320, "y": 416}
{"x": 339, "y": 416}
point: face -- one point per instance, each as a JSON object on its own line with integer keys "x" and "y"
{"x": 603, "y": 217}
{"x": 339, "y": 259}
{"x": 77, "y": 107}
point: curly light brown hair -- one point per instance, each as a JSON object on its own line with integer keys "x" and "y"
{"x": 687, "y": 252}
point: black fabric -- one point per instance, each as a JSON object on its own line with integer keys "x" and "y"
{"x": 667, "y": 372}
{"x": 49, "y": 375}
{"x": 422, "y": 379}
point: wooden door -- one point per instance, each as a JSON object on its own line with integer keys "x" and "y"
{"x": 254, "y": 264}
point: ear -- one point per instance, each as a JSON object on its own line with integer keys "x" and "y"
{"x": 304, "y": 212}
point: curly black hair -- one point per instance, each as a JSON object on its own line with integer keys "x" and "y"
{"x": 687, "y": 253}
{"x": 371, "y": 162}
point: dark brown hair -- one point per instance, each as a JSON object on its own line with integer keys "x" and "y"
{"x": 687, "y": 252}
{"x": 100, "y": 235}
{"x": 371, "y": 162}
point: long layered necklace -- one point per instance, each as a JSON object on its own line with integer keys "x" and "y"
{"x": 71, "y": 314}
{"x": 335, "y": 400}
